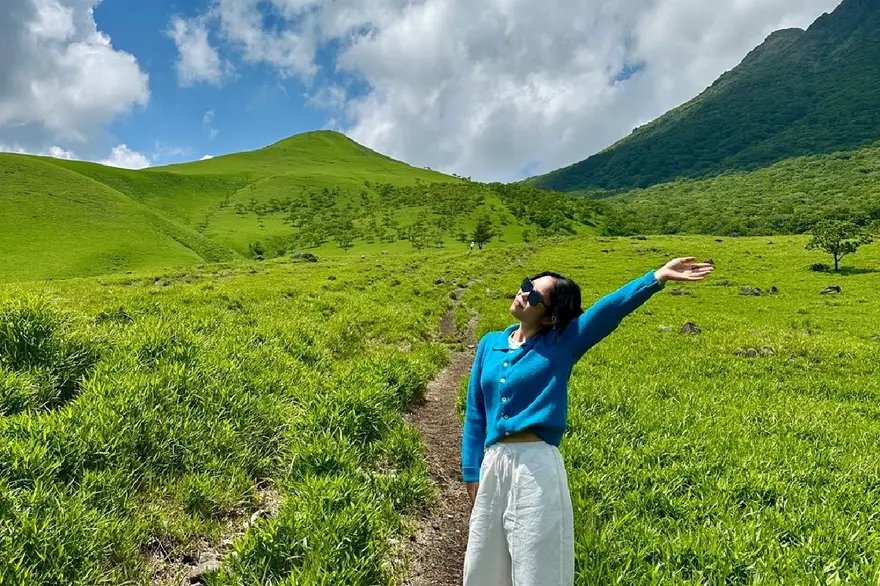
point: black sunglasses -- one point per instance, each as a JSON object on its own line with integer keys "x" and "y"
{"x": 535, "y": 297}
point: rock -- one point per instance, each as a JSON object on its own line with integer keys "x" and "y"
{"x": 747, "y": 352}
{"x": 665, "y": 328}
{"x": 491, "y": 292}
{"x": 709, "y": 261}
{"x": 439, "y": 281}
{"x": 690, "y": 329}
{"x": 719, "y": 240}
{"x": 680, "y": 292}
{"x": 303, "y": 257}
{"x": 363, "y": 257}
{"x": 832, "y": 290}
{"x": 819, "y": 267}
{"x": 753, "y": 291}
{"x": 197, "y": 574}
{"x": 770, "y": 243}
{"x": 605, "y": 251}
{"x": 385, "y": 253}
{"x": 774, "y": 290}
{"x": 331, "y": 278}
{"x": 768, "y": 351}
{"x": 875, "y": 338}
{"x": 724, "y": 283}
{"x": 640, "y": 237}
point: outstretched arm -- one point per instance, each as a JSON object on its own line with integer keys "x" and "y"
{"x": 474, "y": 431}
{"x": 607, "y": 313}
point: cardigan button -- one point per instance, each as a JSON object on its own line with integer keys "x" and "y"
{"x": 505, "y": 364}
{"x": 504, "y": 399}
{"x": 503, "y": 380}
{"x": 506, "y": 417}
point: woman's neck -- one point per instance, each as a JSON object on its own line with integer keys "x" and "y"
{"x": 525, "y": 331}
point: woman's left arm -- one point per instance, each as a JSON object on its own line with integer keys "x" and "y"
{"x": 607, "y": 313}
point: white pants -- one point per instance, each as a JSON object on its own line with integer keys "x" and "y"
{"x": 521, "y": 527}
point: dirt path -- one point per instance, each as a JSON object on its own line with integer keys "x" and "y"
{"x": 437, "y": 552}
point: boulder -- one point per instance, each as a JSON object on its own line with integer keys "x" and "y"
{"x": 753, "y": 291}
{"x": 304, "y": 257}
{"x": 665, "y": 328}
{"x": 690, "y": 328}
{"x": 832, "y": 290}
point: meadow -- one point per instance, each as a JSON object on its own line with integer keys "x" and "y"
{"x": 147, "y": 417}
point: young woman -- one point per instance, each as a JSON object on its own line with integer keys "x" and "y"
{"x": 521, "y": 528}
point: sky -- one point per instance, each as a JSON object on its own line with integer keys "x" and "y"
{"x": 496, "y": 90}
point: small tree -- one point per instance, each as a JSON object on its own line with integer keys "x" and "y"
{"x": 483, "y": 232}
{"x": 838, "y": 238}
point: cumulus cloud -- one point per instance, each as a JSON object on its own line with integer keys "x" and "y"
{"x": 198, "y": 61}
{"x": 120, "y": 155}
{"x": 124, "y": 157}
{"x": 500, "y": 88}
{"x": 60, "y": 77}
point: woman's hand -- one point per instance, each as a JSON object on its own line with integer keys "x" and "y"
{"x": 472, "y": 488}
{"x": 683, "y": 269}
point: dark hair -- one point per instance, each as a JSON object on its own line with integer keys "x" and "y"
{"x": 565, "y": 302}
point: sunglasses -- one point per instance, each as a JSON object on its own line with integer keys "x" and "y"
{"x": 535, "y": 296}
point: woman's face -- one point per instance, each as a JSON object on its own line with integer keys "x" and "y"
{"x": 533, "y": 314}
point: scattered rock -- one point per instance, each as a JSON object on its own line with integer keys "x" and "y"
{"x": 875, "y": 338}
{"x": 197, "y": 574}
{"x": 709, "y": 261}
{"x": 363, "y": 257}
{"x": 304, "y": 257}
{"x": 640, "y": 237}
{"x": 439, "y": 281}
{"x": 719, "y": 240}
{"x": 770, "y": 243}
{"x": 605, "y": 251}
{"x": 724, "y": 283}
{"x": 747, "y": 352}
{"x": 690, "y": 328}
{"x": 753, "y": 291}
{"x": 774, "y": 290}
{"x": 819, "y": 267}
{"x": 665, "y": 328}
{"x": 832, "y": 290}
{"x": 385, "y": 252}
{"x": 331, "y": 278}
{"x": 768, "y": 351}
{"x": 680, "y": 292}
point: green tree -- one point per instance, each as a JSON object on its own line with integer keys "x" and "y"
{"x": 483, "y": 232}
{"x": 838, "y": 238}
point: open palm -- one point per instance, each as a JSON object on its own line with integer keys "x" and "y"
{"x": 684, "y": 269}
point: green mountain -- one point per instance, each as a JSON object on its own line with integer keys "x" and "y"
{"x": 318, "y": 191}
{"x": 800, "y": 93}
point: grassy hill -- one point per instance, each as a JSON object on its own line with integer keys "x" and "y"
{"x": 800, "y": 93}
{"x": 318, "y": 191}
{"x": 58, "y": 223}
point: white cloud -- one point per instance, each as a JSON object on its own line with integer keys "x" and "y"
{"x": 60, "y": 77}
{"x": 124, "y": 157}
{"x": 198, "y": 61}
{"x": 207, "y": 158}
{"x": 54, "y": 151}
{"x": 207, "y": 122}
{"x": 492, "y": 88}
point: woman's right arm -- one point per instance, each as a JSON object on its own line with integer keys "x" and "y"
{"x": 474, "y": 431}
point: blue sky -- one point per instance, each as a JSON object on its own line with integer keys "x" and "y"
{"x": 496, "y": 90}
{"x": 252, "y": 110}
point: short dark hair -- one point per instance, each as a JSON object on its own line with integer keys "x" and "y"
{"x": 565, "y": 302}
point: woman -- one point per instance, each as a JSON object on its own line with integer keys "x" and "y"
{"x": 521, "y": 528}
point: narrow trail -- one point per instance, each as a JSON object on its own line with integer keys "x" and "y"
{"x": 437, "y": 550}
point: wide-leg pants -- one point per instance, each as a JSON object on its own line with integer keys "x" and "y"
{"x": 521, "y": 528}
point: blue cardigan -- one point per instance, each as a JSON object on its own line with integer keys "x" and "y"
{"x": 527, "y": 389}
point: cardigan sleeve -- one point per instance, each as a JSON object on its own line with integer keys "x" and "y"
{"x": 606, "y": 314}
{"x": 474, "y": 429}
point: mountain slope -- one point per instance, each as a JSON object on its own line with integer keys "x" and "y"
{"x": 799, "y": 93}
{"x": 57, "y": 223}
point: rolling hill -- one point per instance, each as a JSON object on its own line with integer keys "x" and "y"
{"x": 800, "y": 93}
{"x": 319, "y": 191}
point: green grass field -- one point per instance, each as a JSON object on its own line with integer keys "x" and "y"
{"x": 145, "y": 416}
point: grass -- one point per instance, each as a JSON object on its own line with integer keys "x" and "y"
{"x": 148, "y": 413}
